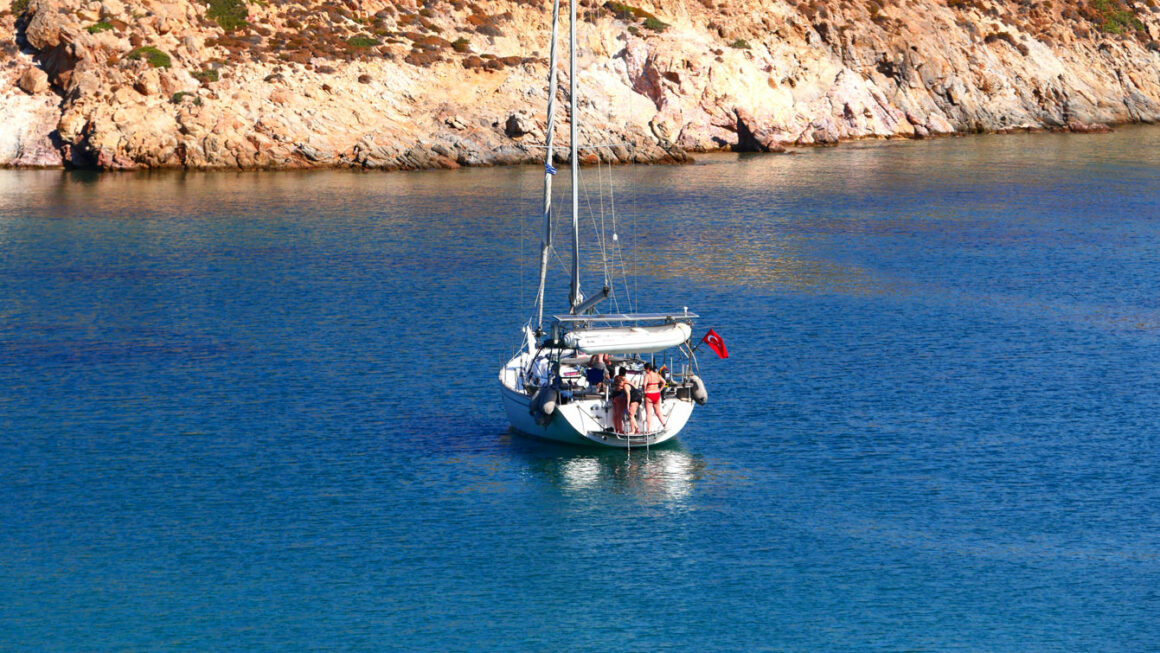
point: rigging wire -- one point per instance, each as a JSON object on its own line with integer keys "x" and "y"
{"x": 614, "y": 248}
{"x": 598, "y": 230}
{"x": 552, "y": 253}
{"x": 603, "y": 240}
{"x": 617, "y": 258}
{"x": 520, "y": 270}
{"x": 611, "y": 216}
{"x": 618, "y": 251}
{"x": 636, "y": 210}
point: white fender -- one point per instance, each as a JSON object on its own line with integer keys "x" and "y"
{"x": 543, "y": 405}
{"x": 548, "y": 402}
{"x": 700, "y": 394}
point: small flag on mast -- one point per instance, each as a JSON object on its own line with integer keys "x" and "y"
{"x": 548, "y": 168}
{"x": 716, "y": 344}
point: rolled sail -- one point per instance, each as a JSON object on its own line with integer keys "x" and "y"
{"x": 628, "y": 340}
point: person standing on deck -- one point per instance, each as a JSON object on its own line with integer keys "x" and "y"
{"x": 653, "y": 384}
{"x": 634, "y": 399}
{"x": 621, "y": 390}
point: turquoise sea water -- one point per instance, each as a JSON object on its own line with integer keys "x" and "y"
{"x": 259, "y": 410}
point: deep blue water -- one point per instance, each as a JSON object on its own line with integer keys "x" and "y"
{"x": 259, "y": 410}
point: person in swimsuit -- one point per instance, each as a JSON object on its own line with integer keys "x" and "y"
{"x": 620, "y": 387}
{"x": 634, "y": 399}
{"x": 653, "y": 384}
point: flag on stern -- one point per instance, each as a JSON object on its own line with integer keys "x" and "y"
{"x": 716, "y": 344}
{"x": 549, "y": 168}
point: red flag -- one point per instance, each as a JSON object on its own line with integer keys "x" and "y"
{"x": 716, "y": 344}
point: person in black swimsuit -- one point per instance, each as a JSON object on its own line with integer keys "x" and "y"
{"x": 619, "y": 397}
{"x": 634, "y": 399}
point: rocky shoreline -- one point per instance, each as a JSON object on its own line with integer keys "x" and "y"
{"x": 442, "y": 84}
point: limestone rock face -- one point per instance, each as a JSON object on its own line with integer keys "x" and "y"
{"x": 33, "y": 81}
{"x": 518, "y": 124}
{"x": 406, "y": 84}
{"x": 148, "y": 82}
{"x": 44, "y": 29}
{"x": 28, "y": 118}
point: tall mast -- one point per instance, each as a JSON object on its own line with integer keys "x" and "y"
{"x": 550, "y": 135}
{"x": 574, "y": 296}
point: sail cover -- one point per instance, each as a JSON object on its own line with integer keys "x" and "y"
{"x": 628, "y": 340}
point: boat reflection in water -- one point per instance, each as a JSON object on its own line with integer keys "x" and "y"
{"x": 660, "y": 474}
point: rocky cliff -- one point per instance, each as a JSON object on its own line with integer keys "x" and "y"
{"x": 443, "y": 83}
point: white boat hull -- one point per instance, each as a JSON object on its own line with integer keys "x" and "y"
{"x": 588, "y": 421}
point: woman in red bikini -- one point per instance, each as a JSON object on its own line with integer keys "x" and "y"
{"x": 653, "y": 384}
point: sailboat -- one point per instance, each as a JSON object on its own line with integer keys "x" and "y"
{"x": 546, "y": 389}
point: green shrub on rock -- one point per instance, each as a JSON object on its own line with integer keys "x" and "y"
{"x": 655, "y": 24}
{"x": 152, "y": 55}
{"x": 99, "y": 27}
{"x": 1117, "y": 18}
{"x": 229, "y": 14}
{"x": 206, "y": 76}
{"x": 362, "y": 42}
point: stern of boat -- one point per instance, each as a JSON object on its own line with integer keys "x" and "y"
{"x": 588, "y": 421}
